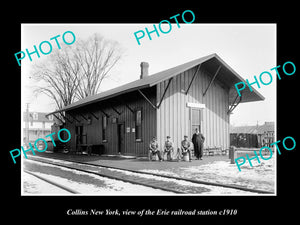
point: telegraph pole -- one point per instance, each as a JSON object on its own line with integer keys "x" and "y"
{"x": 27, "y": 124}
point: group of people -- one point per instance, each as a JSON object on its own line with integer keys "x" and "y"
{"x": 186, "y": 147}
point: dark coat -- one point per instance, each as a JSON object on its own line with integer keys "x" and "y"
{"x": 198, "y": 140}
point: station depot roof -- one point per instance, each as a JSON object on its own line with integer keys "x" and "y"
{"x": 227, "y": 76}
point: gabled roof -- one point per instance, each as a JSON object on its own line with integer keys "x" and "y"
{"x": 244, "y": 130}
{"x": 227, "y": 76}
{"x": 267, "y": 127}
{"x": 256, "y": 129}
{"x": 36, "y": 117}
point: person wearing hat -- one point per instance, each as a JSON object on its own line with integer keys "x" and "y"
{"x": 186, "y": 147}
{"x": 198, "y": 140}
{"x": 153, "y": 149}
{"x": 168, "y": 148}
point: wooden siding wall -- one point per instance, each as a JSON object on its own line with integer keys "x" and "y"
{"x": 173, "y": 115}
{"x": 94, "y": 130}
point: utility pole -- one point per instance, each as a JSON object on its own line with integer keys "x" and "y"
{"x": 27, "y": 125}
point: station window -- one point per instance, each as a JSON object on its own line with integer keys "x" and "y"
{"x": 138, "y": 125}
{"x": 104, "y": 128}
{"x": 35, "y": 116}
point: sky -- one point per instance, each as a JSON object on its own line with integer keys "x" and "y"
{"x": 249, "y": 49}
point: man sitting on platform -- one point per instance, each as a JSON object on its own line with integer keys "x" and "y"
{"x": 168, "y": 148}
{"x": 186, "y": 147}
{"x": 153, "y": 149}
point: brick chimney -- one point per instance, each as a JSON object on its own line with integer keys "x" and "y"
{"x": 144, "y": 69}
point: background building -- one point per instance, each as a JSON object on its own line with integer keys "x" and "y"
{"x": 36, "y": 125}
{"x": 252, "y": 136}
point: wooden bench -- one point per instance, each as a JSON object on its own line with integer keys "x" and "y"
{"x": 90, "y": 149}
{"x": 80, "y": 148}
{"x": 211, "y": 151}
{"x": 97, "y": 149}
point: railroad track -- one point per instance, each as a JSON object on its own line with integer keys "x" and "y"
{"x": 168, "y": 183}
{"x": 53, "y": 183}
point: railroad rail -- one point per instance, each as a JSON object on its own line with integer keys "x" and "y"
{"x": 135, "y": 178}
{"x": 53, "y": 183}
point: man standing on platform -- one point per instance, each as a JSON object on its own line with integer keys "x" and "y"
{"x": 198, "y": 140}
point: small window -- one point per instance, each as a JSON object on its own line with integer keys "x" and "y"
{"x": 104, "y": 128}
{"x": 138, "y": 125}
{"x": 35, "y": 116}
{"x": 50, "y": 117}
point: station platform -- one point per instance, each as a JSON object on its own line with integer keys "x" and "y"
{"x": 132, "y": 163}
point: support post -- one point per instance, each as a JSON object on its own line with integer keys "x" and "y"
{"x": 113, "y": 108}
{"x": 232, "y": 154}
{"x": 94, "y": 115}
{"x": 234, "y": 105}
{"x": 83, "y": 116}
{"x": 66, "y": 118}
{"x": 57, "y": 118}
{"x": 190, "y": 84}
{"x": 74, "y": 117}
{"x": 147, "y": 99}
{"x": 165, "y": 91}
{"x": 104, "y": 113}
{"x": 210, "y": 83}
{"x": 130, "y": 109}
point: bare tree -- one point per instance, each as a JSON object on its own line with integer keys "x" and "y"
{"x": 76, "y": 71}
{"x": 96, "y": 58}
{"x": 58, "y": 78}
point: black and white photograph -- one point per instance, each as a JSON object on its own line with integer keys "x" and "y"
{"x": 141, "y": 113}
{"x": 164, "y": 109}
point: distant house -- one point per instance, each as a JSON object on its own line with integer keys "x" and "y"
{"x": 36, "y": 125}
{"x": 197, "y": 94}
{"x": 252, "y": 136}
{"x": 266, "y": 133}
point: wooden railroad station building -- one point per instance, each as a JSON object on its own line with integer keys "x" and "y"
{"x": 197, "y": 94}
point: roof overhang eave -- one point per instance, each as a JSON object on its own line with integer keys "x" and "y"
{"x": 72, "y": 106}
{"x": 247, "y": 95}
